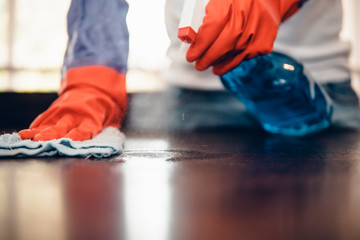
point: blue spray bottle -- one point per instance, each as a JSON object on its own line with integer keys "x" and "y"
{"x": 277, "y": 92}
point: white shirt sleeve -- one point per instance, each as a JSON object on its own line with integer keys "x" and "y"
{"x": 312, "y": 37}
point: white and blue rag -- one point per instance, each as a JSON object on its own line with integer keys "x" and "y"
{"x": 107, "y": 143}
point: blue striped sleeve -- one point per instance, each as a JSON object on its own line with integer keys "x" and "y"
{"x": 98, "y": 35}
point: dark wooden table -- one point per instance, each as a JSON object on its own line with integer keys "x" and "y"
{"x": 210, "y": 185}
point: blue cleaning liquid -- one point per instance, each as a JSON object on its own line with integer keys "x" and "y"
{"x": 276, "y": 91}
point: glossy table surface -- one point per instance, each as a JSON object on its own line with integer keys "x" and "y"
{"x": 219, "y": 184}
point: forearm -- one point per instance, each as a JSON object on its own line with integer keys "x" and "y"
{"x": 93, "y": 93}
{"x": 98, "y": 35}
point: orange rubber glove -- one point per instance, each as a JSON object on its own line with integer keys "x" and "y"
{"x": 234, "y": 30}
{"x": 91, "y": 98}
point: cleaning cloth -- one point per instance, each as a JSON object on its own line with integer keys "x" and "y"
{"x": 107, "y": 143}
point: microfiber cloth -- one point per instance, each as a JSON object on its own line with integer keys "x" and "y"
{"x": 107, "y": 143}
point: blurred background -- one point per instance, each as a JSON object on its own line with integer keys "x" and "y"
{"x": 33, "y": 39}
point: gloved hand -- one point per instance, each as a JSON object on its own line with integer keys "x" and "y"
{"x": 234, "y": 30}
{"x": 91, "y": 98}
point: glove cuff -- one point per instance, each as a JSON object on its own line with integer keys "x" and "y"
{"x": 102, "y": 78}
